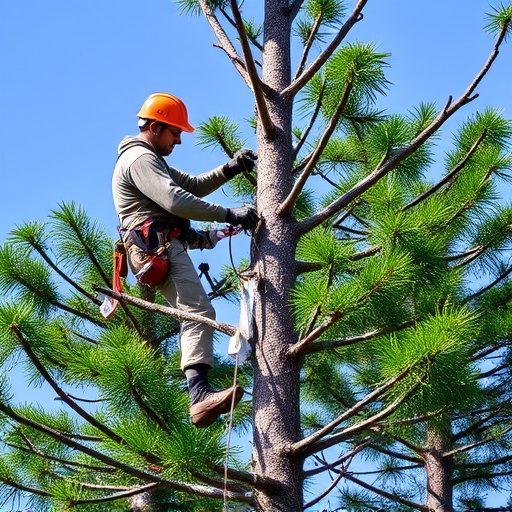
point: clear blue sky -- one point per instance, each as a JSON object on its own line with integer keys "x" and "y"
{"x": 74, "y": 74}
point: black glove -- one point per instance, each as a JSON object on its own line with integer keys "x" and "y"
{"x": 243, "y": 161}
{"x": 243, "y": 216}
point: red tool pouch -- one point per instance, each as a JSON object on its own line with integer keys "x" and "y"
{"x": 147, "y": 251}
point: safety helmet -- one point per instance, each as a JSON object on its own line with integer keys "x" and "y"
{"x": 167, "y": 109}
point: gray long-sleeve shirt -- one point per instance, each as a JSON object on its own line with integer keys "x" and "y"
{"x": 144, "y": 186}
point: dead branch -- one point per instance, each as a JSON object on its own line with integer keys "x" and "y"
{"x": 168, "y": 311}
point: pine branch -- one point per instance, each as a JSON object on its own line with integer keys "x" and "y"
{"x": 142, "y": 405}
{"x": 132, "y": 491}
{"x": 414, "y": 448}
{"x": 482, "y": 476}
{"x": 297, "y": 84}
{"x": 198, "y": 490}
{"x": 387, "y": 495}
{"x": 40, "y": 250}
{"x": 343, "y": 217}
{"x": 400, "y": 155}
{"x": 299, "y": 184}
{"x": 219, "y": 483}
{"x": 24, "y": 488}
{"x": 480, "y": 292}
{"x": 450, "y": 175}
{"x": 62, "y": 395}
{"x": 257, "y": 86}
{"x": 64, "y": 462}
{"x": 57, "y": 304}
{"x": 225, "y": 42}
{"x": 343, "y": 342}
{"x": 305, "y": 445}
{"x": 306, "y": 342}
{"x": 465, "y": 254}
{"x": 470, "y": 446}
{"x": 494, "y": 462}
{"x": 476, "y": 425}
{"x": 395, "y": 455}
{"x": 167, "y": 311}
{"x": 303, "y": 267}
{"x": 358, "y": 427}
{"x": 307, "y": 46}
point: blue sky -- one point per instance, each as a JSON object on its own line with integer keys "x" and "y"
{"x": 75, "y": 73}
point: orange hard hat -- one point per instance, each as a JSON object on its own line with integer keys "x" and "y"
{"x": 167, "y": 109}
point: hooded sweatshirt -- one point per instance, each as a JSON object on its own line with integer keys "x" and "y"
{"x": 144, "y": 187}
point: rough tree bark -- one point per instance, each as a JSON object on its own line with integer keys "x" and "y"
{"x": 276, "y": 375}
{"x": 439, "y": 470}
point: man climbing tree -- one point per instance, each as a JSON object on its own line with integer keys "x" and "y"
{"x": 374, "y": 287}
{"x": 155, "y": 204}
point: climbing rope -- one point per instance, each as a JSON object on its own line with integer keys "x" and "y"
{"x": 228, "y": 440}
{"x": 235, "y": 375}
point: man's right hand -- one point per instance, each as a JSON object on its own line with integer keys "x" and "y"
{"x": 243, "y": 216}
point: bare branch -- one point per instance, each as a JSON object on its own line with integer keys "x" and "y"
{"x": 358, "y": 427}
{"x": 315, "y": 66}
{"x": 395, "y": 455}
{"x": 257, "y": 86}
{"x": 164, "y": 310}
{"x": 388, "y": 495}
{"x": 225, "y": 42}
{"x": 330, "y": 467}
{"x": 326, "y": 491}
{"x": 232, "y": 22}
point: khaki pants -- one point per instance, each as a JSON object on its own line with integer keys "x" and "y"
{"x": 183, "y": 290}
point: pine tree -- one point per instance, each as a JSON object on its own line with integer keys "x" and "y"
{"x": 368, "y": 320}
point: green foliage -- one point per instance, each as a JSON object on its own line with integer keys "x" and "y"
{"x": 500, "y": 18}
{"x": 317, "y": 14}
{"x": 193, "y": 7}
{"x": 222, "y": 132}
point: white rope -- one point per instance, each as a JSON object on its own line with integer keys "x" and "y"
{"x": 228, "y": 440}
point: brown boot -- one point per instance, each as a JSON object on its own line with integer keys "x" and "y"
{"x": 204, "y": 413}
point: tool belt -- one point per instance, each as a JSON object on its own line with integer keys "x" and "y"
{"x": 145, "y": 245}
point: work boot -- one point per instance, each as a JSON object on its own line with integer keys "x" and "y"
{"x": 215, "y": 403}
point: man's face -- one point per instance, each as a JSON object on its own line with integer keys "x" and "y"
{"x": 165, "y": 141}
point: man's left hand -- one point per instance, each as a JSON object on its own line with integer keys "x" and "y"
{"x": 242, "y": 161}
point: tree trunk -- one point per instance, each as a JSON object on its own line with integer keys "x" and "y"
{"x": 439, "y": 470}
{"x": 276, "y": 377}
